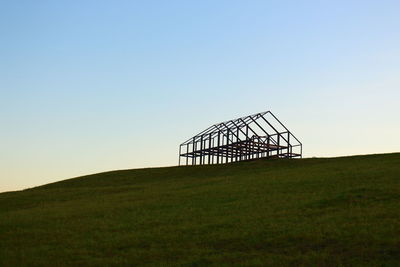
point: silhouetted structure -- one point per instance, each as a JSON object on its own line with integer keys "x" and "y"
{"x": 260, "y": 135}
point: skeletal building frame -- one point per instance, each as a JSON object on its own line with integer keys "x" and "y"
{"x": 260, "y": 135}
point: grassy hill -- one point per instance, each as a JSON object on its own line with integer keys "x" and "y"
{"x": 325, "y": 212}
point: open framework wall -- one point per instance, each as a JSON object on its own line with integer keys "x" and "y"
{"x": 260, "y": 135}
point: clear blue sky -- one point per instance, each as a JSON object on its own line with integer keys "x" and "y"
{"x": 90, "y": 86}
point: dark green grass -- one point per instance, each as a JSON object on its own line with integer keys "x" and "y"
{"x": 310, "y": 212}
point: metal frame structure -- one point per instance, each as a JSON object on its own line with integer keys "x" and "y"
{"x": 260, "y": 135}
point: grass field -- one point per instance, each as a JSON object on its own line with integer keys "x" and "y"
{"x": 309, "y": 212}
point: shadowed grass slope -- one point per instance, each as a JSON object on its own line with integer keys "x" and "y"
{"x": 326, "y": 212}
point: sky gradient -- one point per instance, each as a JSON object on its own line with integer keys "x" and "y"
{"x": 91, "y": 86}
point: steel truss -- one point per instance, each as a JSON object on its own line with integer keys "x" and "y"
{"x": 260, "y": 135}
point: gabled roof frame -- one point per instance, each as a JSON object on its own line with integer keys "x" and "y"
{"x": 273, "y": 140}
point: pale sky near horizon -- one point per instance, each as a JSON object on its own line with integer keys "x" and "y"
{"x": 92, "y": 86}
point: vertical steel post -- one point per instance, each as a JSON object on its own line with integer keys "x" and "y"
{"x": 201, "y": 150}
{"x": 187, "y": 154}
{"x": 279, "y": 146}
{"x": 301, "y": 151}
{"x": 218, "y": 146}
{"x": 237, "y": 144}
{"x": 227, "y": 147}
{"x": 209, "y": 149}
{"x": 212, "y": 156}
{"x": 193, "y": 151}
{"x": 179, "y": 161}
{"x": 247, "y": 143}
